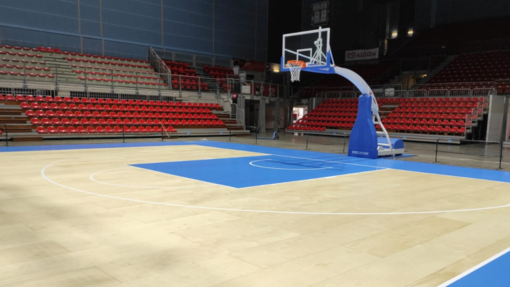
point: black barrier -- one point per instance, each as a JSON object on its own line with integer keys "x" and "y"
{"x": 342, "y": 134}
{"x": 500, "y": 155}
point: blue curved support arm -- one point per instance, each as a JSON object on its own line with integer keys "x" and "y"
{"x": 360, "y": 83}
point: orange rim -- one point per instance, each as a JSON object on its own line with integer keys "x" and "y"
{"x": 302, "y": 64}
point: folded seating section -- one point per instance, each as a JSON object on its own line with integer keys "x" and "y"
{"x": 180, "y": 68}
{"x": 189, "y": 83}
{"x": 17, "y": 63}
{"x": 475, "y": 69}
{"x": 218, "y": 72}
{"x": 20, "y": 62}
{"x": 75, "y": 115}
{"x": 412, "y": 115}
{"x": 184, "y": 77}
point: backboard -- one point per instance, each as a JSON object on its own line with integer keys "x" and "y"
{"x": 312, "y": 47}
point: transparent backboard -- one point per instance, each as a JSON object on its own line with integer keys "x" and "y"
{"x": 310, "y": 47}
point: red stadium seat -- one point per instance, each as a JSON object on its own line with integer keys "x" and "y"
{"x": 41, "y": 130}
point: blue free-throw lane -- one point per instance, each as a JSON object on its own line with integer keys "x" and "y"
{"x": 494, "y": 274}
{"x": 252, "y": 171}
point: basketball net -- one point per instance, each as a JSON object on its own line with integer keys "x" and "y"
{"x": 295, "y": 67}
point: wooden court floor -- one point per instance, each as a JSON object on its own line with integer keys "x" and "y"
{"x": 87, "y": 218}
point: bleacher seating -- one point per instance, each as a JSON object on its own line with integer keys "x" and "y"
{"x": 100, "y": 70}
{"x": 19, "y": 62}
{"x": 475, "y": 67}
{"x": 189, "y": 83}
{"x": 62, "y": 115}
{"x": 218, "y": 72}
{"x": 184, "y": 77}
{"x": 180, "y": 68}
{"x": 503, "y": 87}
{"x": 448, "y": 116}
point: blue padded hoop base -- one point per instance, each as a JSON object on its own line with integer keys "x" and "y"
{"x": 363, "y": 139}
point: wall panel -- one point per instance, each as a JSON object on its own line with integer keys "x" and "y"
{"x": 228, "y": 28}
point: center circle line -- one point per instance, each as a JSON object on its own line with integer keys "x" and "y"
{"x": 260, "y": 166}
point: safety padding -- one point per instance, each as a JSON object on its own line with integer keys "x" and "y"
{"x": 396, "y": 143}
{"x": 363, "y": 139}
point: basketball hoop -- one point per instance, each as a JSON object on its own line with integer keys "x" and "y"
{"x": 295, "y": 67}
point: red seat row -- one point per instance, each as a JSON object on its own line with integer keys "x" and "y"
{"x": 56, "y": 50}
{"x": 96, "y": 114}
{"x": 2, "y": 53}
{"x": 445, "y": 122}
{"x": 19, "y": 67}
{"x": 189, "y": 85}
{"x": 427, "y": 116}
{"x": 123, "y": 81}
{"x": 109, "y": 69}
{"x": 106, "y": 129}
{"x": 4, "y": 73}
{"x": 118, "y": 121}
{"x": 306, "y": 128}
{"x": 329, "y": 114}
{"x": 115, "y": 108}
{"x": 116, "y": 75}
{"x": 76, "y": 100}
{"x": 110, "y": 63}
{"x": 427, "y": 129}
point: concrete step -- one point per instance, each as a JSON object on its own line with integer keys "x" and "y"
{"x": 22, "y": 126}
{"x": 26, "y": 138}
{"x": 65, "y": 76}
{"x": 14, "y": 131}
{"x": 15, "y": 112}
{"x": 13, "y": 121}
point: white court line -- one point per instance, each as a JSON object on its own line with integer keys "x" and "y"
{"x": 136, "y": 186}
{"x": 252, "y": 164}
{"x": 43, "y": 174}
{"x": 372, "y": 166}
{"x": 315, "y": 178}
{"x": 182, "y": 176}
{"x": 474, "y": 268}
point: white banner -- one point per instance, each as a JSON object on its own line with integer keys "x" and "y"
{"x": 356, "y": 55}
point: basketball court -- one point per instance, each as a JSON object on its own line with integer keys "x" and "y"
{"x": 340, "y": 203}
{"x": 206, "y": 213}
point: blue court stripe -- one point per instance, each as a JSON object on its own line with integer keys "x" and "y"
{"x": 89, "y": 146}
{"x": 494, "y": 272}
